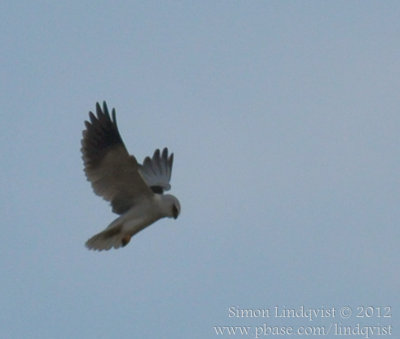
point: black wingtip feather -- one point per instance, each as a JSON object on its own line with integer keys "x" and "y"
{"x": 114, "y": 118}
{"x": 105, "y": 110}
{"x": 100, "y": 134}
{"x": 98, "y": 109}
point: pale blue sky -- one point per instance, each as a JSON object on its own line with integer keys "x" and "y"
{"x": 284, "y": 120}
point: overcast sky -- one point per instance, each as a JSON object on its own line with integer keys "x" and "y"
{"x": 284, "y": 120}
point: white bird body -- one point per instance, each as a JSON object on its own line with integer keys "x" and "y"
{"x": 135, "y": 191}
{"x": 122, "y": 229}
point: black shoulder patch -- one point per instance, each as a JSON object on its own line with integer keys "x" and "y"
{"x": 157, "y": 189}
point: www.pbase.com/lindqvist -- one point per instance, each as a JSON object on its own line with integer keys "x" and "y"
{"x": 335, "y": 329}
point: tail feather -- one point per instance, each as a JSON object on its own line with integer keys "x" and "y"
{"x": 110, "y": 237}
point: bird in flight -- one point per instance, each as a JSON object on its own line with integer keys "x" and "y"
{"x": 135, "y": 191}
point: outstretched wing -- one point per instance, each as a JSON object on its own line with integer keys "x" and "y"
{"x": 112, "y": 172}
{"x": 156, "y": 171}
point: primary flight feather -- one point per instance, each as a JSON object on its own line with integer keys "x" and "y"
{"x": 135, "y": 191}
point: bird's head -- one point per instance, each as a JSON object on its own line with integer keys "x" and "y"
{"x": 173, "y": 206}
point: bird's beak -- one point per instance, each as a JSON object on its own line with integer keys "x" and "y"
{"x": 175, "y": 212}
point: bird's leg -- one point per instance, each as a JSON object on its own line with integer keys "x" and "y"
{"x": 125, "y": 239}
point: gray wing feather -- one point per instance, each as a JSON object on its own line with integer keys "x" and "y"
{"x": 156, "y": 171}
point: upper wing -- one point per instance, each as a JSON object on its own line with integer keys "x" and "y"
{"x": 108, "y": 166}
{"x": 156, "y": 171}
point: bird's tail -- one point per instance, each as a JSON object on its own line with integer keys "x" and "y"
{"x": 111, "y": 237}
